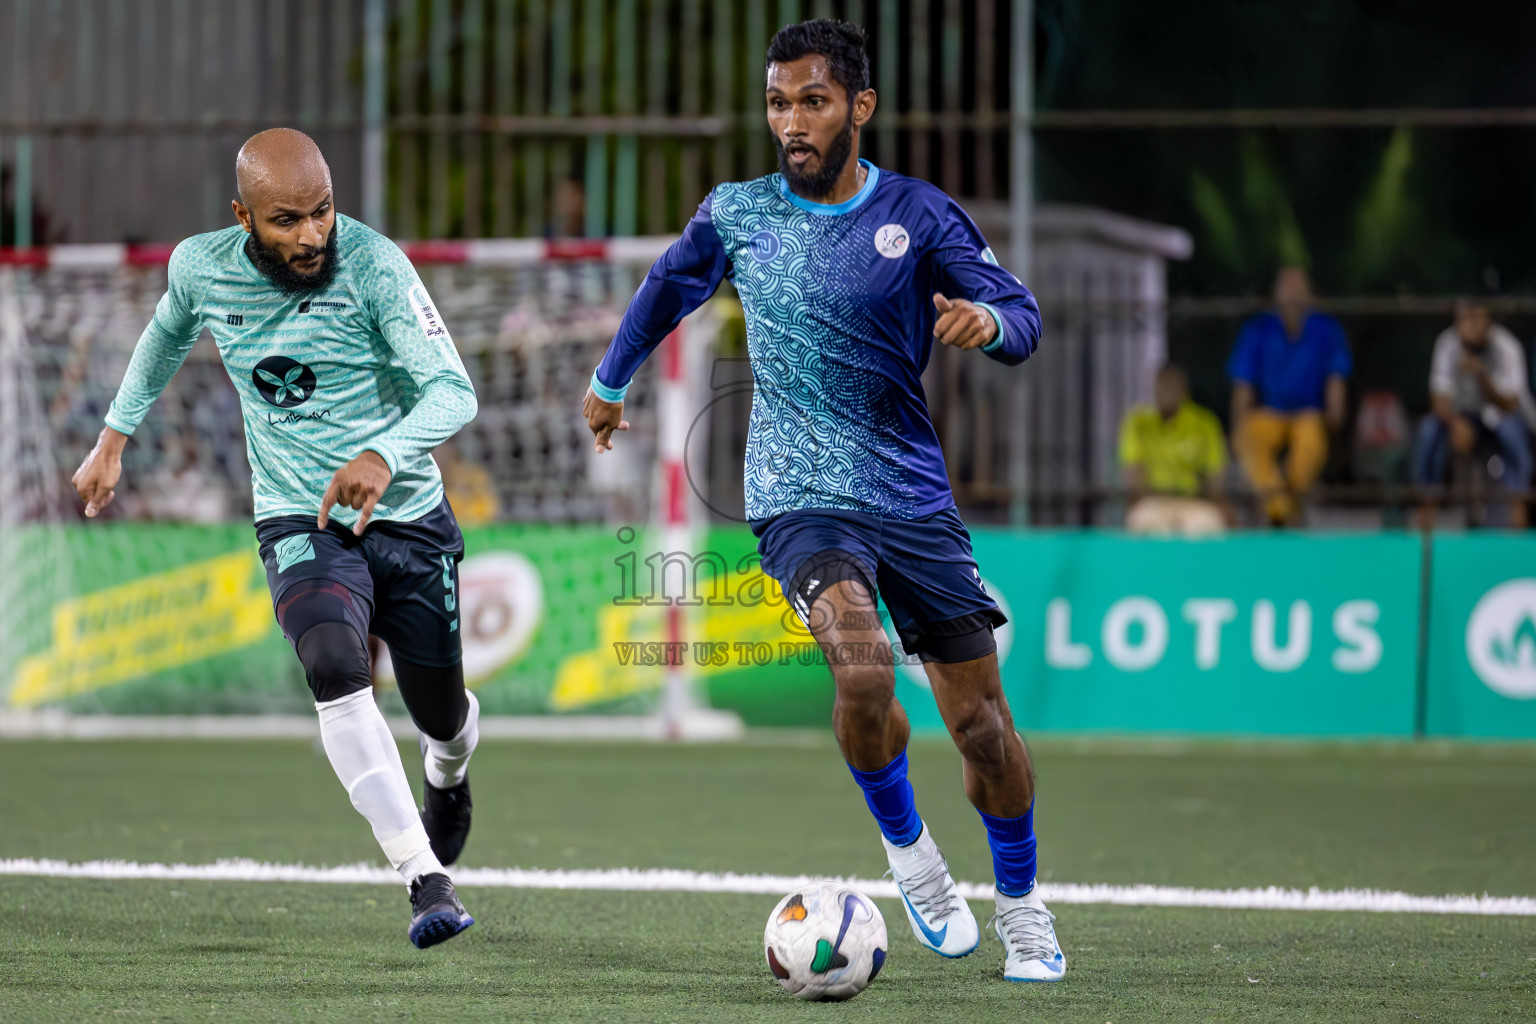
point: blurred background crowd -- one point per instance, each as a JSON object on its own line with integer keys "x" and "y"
{"x": 1289, "y": 375}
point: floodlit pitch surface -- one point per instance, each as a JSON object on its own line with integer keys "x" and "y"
{"x": 1425, "y": 820}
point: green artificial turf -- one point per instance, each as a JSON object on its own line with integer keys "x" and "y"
{"x": 1425, "y": 819}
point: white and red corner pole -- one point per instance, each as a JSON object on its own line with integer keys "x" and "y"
{"x": 677, "y": 698}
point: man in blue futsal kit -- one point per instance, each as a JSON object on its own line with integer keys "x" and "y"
{"x": 847, "y": 275}
{"x": 347, "y": 380}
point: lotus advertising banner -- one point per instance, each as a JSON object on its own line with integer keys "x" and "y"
{"x": 1248, "y": 635}
{"x": 1482, "y": 637}
{"x": 1275, "y": 635}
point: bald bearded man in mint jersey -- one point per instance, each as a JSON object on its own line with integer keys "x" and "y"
{"x": 347, "y": 379}
{"x": 848, "y": 274}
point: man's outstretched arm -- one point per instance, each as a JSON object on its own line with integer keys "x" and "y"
{"x": 161, "y": 350}
{"x": 686, "y": 275}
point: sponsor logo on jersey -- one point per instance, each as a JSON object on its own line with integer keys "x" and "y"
{"x": 764, "y": 246}
{"x": 891, "y": 241}
{"x": 321, "y": 305}
{"x": 426, "y": 313}
{"x": 234, "y": 319}
{"x": 1501, "y": 639}
{"x": 276, "y": 420}
{"x": 283, "y": 382}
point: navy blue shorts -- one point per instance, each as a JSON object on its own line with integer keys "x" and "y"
{"x": 922, "y": 569}
{"x": 399, "y": 581}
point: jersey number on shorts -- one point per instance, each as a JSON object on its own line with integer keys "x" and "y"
{"x": 450, "y": 601}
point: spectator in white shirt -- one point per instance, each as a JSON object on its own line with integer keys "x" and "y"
{"x": 1478, "y": 393}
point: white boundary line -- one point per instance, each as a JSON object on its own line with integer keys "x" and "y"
{"x": 702, "y": 724}
{"x": 669, "y": 880}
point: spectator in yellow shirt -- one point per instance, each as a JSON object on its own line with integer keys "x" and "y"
{"x": 1173, "y": 454}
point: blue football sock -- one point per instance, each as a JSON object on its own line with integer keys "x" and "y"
{"x": 889, "y": 796}
{"x": 1013, "y": 851}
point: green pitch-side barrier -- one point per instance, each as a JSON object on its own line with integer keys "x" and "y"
{"x": 1291, "y": 635}
{"x": 1249, "y": 635}
{"x": 1480, "y": 664}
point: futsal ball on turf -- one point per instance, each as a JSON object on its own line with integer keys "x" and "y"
{"x": 825, "y": 941}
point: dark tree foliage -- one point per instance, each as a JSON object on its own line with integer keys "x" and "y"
{"x": 1371, "y": 210}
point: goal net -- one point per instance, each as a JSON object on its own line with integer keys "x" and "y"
{"x": 154, "y": 607}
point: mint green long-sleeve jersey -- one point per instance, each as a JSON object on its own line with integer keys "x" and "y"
{"x": 364, "y": 364}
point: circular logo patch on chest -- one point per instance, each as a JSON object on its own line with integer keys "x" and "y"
{"x": 891, "y": 241}
{"x": 765, "y": 245}
{"x": 283, "y": 382}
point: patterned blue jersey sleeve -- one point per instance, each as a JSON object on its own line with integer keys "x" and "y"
{"x": 686, "y": 275}
{"x": 966, "y": 267}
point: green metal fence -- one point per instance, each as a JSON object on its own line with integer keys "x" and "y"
{"x": 457, "y": 118}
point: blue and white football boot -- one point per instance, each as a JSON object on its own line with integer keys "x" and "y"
{"x": 939, "y": 917}
{"x": 1028, "y": 934}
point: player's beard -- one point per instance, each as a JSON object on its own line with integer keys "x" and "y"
{"x": 818, "y": 184}
{"x": 282, "y": 275}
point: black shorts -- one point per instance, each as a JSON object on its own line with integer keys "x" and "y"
{"x": 403, "y": 578}
{"x": 922, "y": 569}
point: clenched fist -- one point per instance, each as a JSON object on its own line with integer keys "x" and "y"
{"x": 962, "y": 323}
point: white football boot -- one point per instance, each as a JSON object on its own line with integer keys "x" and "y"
{"x": 940, "y": 918}
{"x": 1028, "y": 934}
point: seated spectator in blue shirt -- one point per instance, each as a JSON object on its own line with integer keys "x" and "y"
{"x": 1477, "y": 392}
{"x": 1288, "y": 373}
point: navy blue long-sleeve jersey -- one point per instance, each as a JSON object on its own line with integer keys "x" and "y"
{"x": 840, "y": 317}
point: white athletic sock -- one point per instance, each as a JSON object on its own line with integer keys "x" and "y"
{"x": 446, "y": 761}
{"x": 367, "y": 762}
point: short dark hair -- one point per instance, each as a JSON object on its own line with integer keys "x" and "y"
{"x": 841, "y": 43}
